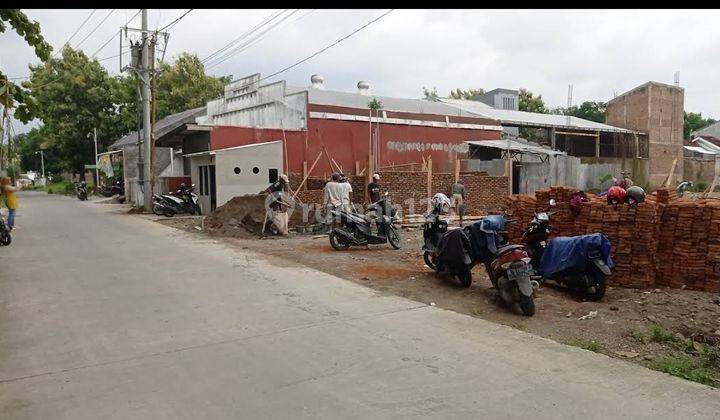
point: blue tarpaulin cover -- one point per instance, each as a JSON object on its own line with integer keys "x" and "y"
{"x": 565, "y": 252}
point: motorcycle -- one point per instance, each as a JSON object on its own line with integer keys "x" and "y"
{"x": 182, "y": 201}
{"x": 116, "y": 188}
{"x": 434, "y": 228}
{"x": 5, "y": 237}
{"x": 580, "y": 263}
{"x": 81, "y": 190}
{"x": 355, "y": 229}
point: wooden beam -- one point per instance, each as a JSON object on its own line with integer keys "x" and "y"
{"x": 570, "y": 133}
{"x": 305, "y": 172}
{"x": 429, "y": 176}
{"x": 670, "y": 174}
{"x": 597, "y": 145}
{"x": 308, "y": 174}
{"x": 457, "y": 169}
{"x": 711, "y": 187}
{"x": 357, "y": 168}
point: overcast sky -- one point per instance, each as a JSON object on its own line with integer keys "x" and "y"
{"x": 599, "y": 52}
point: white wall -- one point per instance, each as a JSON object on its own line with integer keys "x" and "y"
{"x": 263, "y": 156}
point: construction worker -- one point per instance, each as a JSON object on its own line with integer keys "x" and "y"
{"x": 278, "y": 205}
{"x": 458, "y": 199}
{"x": 374, "y": 189}
{"x": 347, "y": 192}
{"x": 333, "y": 197}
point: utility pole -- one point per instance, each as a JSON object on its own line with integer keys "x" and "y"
{"x": 97, "y": 173}
{"x": 42, "y": 162}
{"x": 147, "y": 129}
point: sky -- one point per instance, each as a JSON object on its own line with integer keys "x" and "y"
{"x": 599, "y": 52}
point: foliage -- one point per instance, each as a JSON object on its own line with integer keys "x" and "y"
{"x": 375, "y": 104}
{"x": 661, "y": 335}
{"x": 703, "y": 369}
{"x": 588, "y": 110}
{"x": 590, "y": 345}
{"x": 10, "y": 93}
{"x": 72, "y": 98}
{"x": 695, "y": 121}
{"x": 431, "y": 95}
{"x": 28, "y": 144}
{"x": 699, "y": 186}
{"x": 531, "y": 103}
{"x": 469, "y": 94}
{"x": 61, "y": 187}
{"x": 639, "y": 336}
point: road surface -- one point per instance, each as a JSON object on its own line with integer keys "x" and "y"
{"x": 113, "y": 316}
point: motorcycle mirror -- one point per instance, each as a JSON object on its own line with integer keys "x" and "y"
{"x": 552, "y": 202}
{"x": 386, "y": 193}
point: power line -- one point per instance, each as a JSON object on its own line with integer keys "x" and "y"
{"x": 76, "y": 31}
{"x": 105, "y": 44}
{"x": 251, "y": 41}
{"x": 329, "y": 46}
{"x": 245, "y": 34}
{"x": 94, "y": 29}
{"x": 175, "y": 21}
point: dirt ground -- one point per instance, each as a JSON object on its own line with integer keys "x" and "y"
{"x": 621, "y": 315}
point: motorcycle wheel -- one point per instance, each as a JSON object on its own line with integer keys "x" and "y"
{"x": 336, "y": 244}
{"x": 465, "y": 279}
{"x": 393, "y": 238}
{"x": 597, "y": 291}
{"x": 428, "y": 261}
{"x": 158, "y": 210}
{"x": 527, "y": 305}
{"x": 5, "y": 238}
{"x": 168, "y": 213}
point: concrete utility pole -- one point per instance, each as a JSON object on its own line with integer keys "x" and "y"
{"x": 42, "y": 162}
{"x": 97, "y": 173}
{"x": 147, "y": 129}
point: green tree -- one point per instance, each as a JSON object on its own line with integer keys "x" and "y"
{"x": 695, "y": 121}
{"x": 12, "y": 95}
{"x": 29, "y": 144}
{"x": 469, "y": 94}
{"x": 430, "y": 95}
{"x": 73, "y": 95}
{"x": 588, "y": 110}
{"x": 531, "y": 103}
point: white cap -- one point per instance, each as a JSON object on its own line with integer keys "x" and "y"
{"x": 376, "y": 176}
{"x": 284, "y": 177}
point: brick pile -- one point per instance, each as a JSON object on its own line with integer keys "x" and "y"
{"x": 674, "y": 243}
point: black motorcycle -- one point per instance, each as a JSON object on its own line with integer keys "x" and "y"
{"x": 5, "y": 237}
{"x": 116, "y": 188}
{"x": 183, "y": 201}
{"x": 581, "y": 263}
{"x": 81, "y": 190}
{"x": 434, "y": 228}
{"x": 355, "y": 229}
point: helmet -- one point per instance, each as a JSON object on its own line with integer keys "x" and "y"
{"x": 616, "y": 195}
{"x": 183, "y": 186}
{"x": 635, "y": 194}
{"x": 441, "y": 203}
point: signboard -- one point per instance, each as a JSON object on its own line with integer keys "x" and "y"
{"x": 105, "y": 165}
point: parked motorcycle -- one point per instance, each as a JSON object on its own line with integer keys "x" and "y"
{"x": 5, "y": 237}
{"x": 354, "y": 229}
{"x": 581, "y": 263}
{"x": 184, "y": 200}
{"x": 116, "y": 188}
{"x": 434, "y": 228}
{"x": 81, "y": 190}
{"x": 507, "y": 265}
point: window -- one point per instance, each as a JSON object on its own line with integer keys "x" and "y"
{"x": 236, "y": 170}
{"x": 272, "y": 175}
{"x": 256, "y": 170}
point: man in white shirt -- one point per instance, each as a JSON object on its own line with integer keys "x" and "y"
{"x": 347, "y": 192}
{"x": 333, "y": 197}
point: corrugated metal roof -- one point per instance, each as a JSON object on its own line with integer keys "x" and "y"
{"x": 700, "y": 150}
{"x": 532, "y": 119}
{"x": 356, "y": 100}
{"x": 162, "y": 127}
{"x": 712, "y": 130}
{"x": 517, "y": 146}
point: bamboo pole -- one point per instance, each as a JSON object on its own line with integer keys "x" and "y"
{"x": 429, "y": 176}
{"x": 308, "y": 174}
{"x": 457, "y": 169}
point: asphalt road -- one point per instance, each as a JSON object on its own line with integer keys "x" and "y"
{"x": 108, "y": 315}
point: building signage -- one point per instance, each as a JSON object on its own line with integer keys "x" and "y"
{"x": 410, "y": 146}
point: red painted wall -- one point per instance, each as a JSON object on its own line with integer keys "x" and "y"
{"x": 347, "y": 142}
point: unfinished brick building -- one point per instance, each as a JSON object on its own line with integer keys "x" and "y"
{"x": 656, "y": 109}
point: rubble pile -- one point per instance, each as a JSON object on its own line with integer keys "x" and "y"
{"x": 240, "y": 217}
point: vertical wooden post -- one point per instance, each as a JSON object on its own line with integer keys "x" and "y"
{"x": 429, "y": 176}
{"x": 357, "y": 168}
{"x": 457, "y": 169}
{"x": 597, "y": 145}
{"x": 552, "y": 137}
{"x": 305, "y": 173}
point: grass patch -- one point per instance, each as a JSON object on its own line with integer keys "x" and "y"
{"x": 697, "y": 369}
{"x": 61, "y": 187}
{"x": 660, "y": 335}
{"x": 591, "y": 345}
{"x": 639, "y": 336}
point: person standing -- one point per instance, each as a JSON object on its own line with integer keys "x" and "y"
{"x": 11, "y": 200}
{"x": 458, "y": 198}
{"x": 346, "y": 193}
{"x": 278, "y": 205}
{"x": 332, "y": 197}
{"x": 374, "y": 189}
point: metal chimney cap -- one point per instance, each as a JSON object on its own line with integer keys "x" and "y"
{"x": 317, "y": 80}
{"x": 363, "y": 85}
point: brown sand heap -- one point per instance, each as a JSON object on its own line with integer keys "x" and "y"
{"x": 240, "y": 217}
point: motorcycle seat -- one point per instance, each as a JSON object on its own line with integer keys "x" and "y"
{"x": 508, "y": 248}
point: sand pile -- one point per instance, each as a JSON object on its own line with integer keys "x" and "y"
{"x": 240, "y": 217}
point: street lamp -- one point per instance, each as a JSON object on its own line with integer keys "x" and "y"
{"x": 97, "y": 174}
{"x": 42, "y": 162}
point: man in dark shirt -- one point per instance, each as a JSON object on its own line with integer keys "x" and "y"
{"x": 374, "y": 189}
